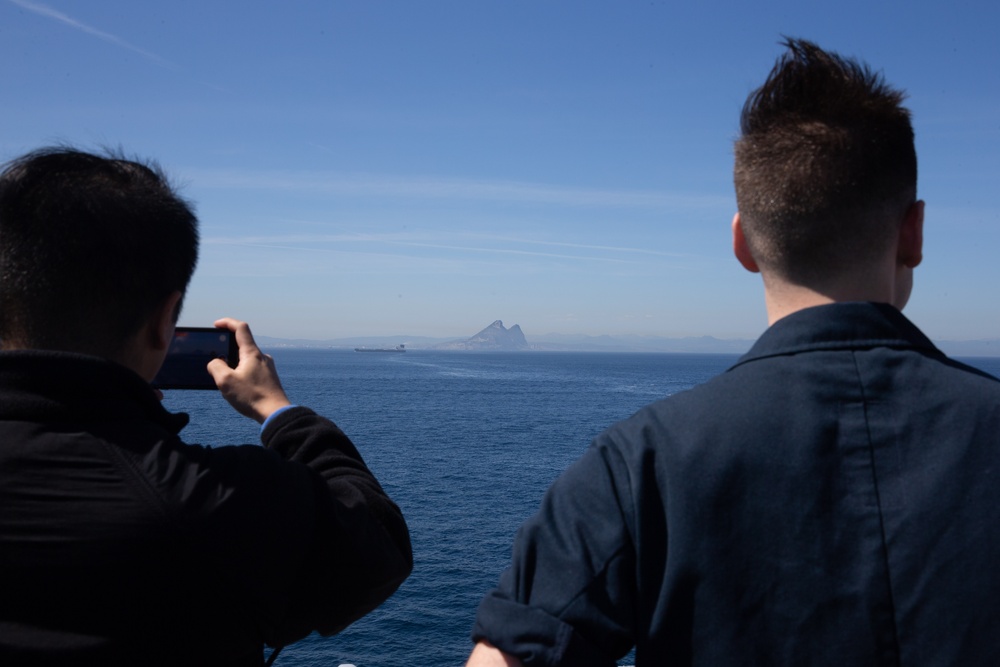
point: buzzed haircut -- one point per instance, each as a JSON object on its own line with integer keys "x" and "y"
{"x": 825, "y": 165}
{"x": 90, "y": 245}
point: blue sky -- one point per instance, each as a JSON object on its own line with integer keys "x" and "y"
{"x": 425, "y": 167}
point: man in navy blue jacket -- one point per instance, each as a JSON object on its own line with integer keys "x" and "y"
{"x": 832, "y": 499}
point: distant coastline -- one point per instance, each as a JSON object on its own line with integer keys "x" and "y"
{"x": 704, "y": 344}
{"x": 583, "y": 343}
{"x": 498, "y": 338}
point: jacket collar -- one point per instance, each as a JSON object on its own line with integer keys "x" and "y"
{"x": 852, "y": 325}
{"x": 44, "y": 385}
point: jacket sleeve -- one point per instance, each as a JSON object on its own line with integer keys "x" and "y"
{"x": 568, "y": 597}
{"x": 360, "y": 551}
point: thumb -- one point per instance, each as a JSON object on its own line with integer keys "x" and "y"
{"x": 219, "y": 370}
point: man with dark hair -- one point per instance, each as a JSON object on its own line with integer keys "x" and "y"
{"x": 829, "y": 500}
{"x": 91, "y": 245}
{"x": 120, "y": 544}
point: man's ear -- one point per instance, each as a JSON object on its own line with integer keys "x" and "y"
{"x": 910, "y": 247}
{"x": 161, "y": 324}
{"x": 740, "y": 247}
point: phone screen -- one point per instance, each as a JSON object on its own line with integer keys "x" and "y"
{"x": 190, "y": 351}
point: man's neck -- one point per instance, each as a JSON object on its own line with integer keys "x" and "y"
{"x": 783, "y": 298}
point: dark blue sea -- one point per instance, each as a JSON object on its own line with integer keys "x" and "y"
{"x": 466, "y": 444}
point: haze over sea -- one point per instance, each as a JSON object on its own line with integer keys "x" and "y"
{"x": 466, "y": 443}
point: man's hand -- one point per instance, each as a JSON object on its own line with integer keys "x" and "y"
{"x": 486, "y": 655}
{"x": 253, "y": 387}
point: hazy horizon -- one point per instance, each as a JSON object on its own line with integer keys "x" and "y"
{"x": 982, "y": 347}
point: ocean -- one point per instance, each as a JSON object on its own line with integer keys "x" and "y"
{"x": 466, "y": 444}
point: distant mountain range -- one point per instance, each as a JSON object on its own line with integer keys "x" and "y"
{"x": 496, "y": 337}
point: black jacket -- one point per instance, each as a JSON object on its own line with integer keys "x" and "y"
{"x": 120, "y": 544}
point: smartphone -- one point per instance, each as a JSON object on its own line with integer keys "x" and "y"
{"x": 190, "y": 351}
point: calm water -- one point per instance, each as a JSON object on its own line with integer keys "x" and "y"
{"x": 466, "y": 444}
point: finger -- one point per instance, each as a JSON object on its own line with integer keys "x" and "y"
{"x": 244, "y": 339}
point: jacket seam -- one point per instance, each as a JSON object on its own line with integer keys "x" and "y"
{"x": 138, "y": 481}
{"x": 881, "y": 516}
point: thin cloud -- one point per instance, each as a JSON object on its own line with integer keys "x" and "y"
{"x": 403, "y": 237}
{"x": 447, "y": 188}
{"x": 510, "y": 251}
{"x": 308, "y": 244}
{"x": 585, "y": 246}
{"x": 311, "y": 241}
{"x": 255, "y": 244}
{"x": 48, "y": 12}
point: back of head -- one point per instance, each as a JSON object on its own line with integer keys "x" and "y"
{"x": 89, "y": 246}
{"x": 825, "y": 166}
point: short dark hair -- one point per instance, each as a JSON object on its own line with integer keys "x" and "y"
{"x": 825, "y": 165}
{"x": 90, "y": 245}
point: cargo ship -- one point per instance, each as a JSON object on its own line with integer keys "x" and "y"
{"x": 398, "y": 348}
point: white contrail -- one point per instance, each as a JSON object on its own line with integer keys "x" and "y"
{"x": 43, "y": 10}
